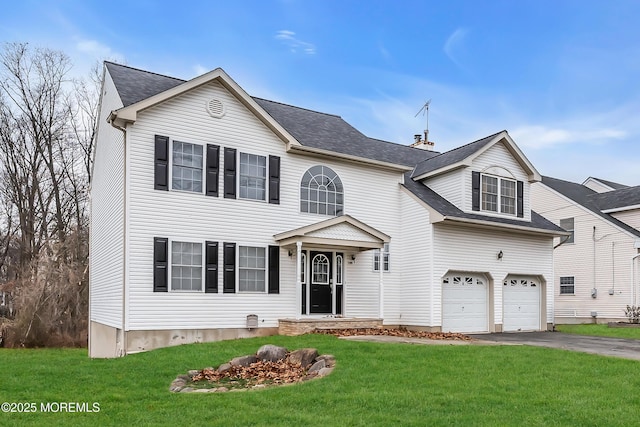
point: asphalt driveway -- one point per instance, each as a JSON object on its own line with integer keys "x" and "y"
{"x": 618, "y": 347}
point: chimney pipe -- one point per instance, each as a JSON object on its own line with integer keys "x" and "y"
{"x": 417, "y": 138}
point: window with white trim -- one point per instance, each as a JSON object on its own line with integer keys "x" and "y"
{"x": 567, "y": 285}
{"x": 253, "y": 176}
{"x": 186, "y": 161}
{"x": 321, "y": 192}
{"x": 251, "y": 269}
{"x": 385, "y": 258}
{"x": 498, "y": 194}
{"x": 339, "y": 266}
{"x": 186, "y": 266}
{"x": 303, "y": 268}
{"x": 568, "y": 225}
{"x": 320, "y": 270}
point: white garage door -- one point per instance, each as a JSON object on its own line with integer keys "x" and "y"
{"x": 521, "y": 304}
{"x": 464, "y": 303}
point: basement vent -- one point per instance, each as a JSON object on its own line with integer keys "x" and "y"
{"x": 215, "y": 108}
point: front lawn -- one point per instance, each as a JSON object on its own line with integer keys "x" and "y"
{"x": 372, "y": 384}
{"x": 600, "y": 331}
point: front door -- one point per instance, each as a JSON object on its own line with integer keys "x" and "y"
{"x": 321, "y": 297}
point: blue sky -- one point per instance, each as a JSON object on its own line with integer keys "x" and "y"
{"x": 563, "y": 77}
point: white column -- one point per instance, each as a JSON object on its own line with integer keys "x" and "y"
{"x": 334, "y": 277}
{"x": 381, "y": 284}
{"x": 298, "y": 281}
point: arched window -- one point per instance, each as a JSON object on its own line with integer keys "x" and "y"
{"x": 321, "y": 192}
{"x": 320, "y": 270}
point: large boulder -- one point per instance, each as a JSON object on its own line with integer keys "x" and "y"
{"x": 304, "y": 356}
{"x": 271, "y": 353}
{"x": 243, "y": 360}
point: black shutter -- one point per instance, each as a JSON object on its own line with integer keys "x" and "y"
{"x": 161, "y": 179}
{"x": 274, "y": 179}
{"x": 213, "y": 165}
{"x": 520, "y": 200}
{"x": 230, "y": 173}
{"x": 274, "y": 269}
{"x": 475, "y": 191}
{"x": 160, "y": 245}
{"x": 229, "y": 274}
{"x": 211, "y": 274}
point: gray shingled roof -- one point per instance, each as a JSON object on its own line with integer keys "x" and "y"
{"x": 452, "y": 156}
{"x": 629, "y": 196}
{"x": 310, "y": 128}
{"x": 596, "y": 202}
{"x": 134, "y": 85}
{"x": 444, "y": 207}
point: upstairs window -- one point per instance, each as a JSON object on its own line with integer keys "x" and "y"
{"x": 568, "y": 225}
{"x": 498, "y": 195}
{"x": 321, "y": 192}
{"x": 253, "y": 176}
{"x": 187, "y": 167}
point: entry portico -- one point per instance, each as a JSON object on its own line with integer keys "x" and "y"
{"x": 322, "y": 250}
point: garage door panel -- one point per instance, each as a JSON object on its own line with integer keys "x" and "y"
{"x": 464, "y": 303}
{"x": 521, "y": 304}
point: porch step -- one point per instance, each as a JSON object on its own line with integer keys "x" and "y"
{"x": 292, "y": 327}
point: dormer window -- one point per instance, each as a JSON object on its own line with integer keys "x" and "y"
{"x": 499, "y": 195}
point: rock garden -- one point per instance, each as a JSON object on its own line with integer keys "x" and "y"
{"x": 270, "y": 366}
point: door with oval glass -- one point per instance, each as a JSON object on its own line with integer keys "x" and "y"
{"x": 321, "y": 283}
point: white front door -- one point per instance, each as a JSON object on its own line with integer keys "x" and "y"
{"x": 521, "y": 304}
{"x": 465, "y": 303}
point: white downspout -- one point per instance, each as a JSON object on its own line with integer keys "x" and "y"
{"x": 298, "y": 280}
{"x": 381, "y": 285}
{"x": 634, "y": 296}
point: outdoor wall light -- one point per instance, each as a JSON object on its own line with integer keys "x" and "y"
{"x": 500, "y": 255}
{"x": 353, "y": 257}
{"x": 290, "y": 253}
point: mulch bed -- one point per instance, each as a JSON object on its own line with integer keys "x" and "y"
{"x": 397, "y": 332}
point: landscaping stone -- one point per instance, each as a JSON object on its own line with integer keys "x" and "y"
{"x": 317, "y": 366}
{"x": 304, "y": 356}
{"x": 324, "y": 372}
{"x": 224, "y": 367}
{"x": 329, "y": 359}
{"x": 243, "y": 360}
{"x": 193, "y": 372}
{"x": 186, "y": 390}
{"x": 271, "y": 353}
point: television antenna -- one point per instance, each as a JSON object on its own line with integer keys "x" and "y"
{"x": 425, "y": 112}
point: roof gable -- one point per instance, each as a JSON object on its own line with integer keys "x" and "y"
{"x": 593, "y": 201}
{"x": 609, "y": 185}
{"x": 464, "y": 156}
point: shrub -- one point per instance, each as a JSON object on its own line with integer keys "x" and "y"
{"x": 633, "y": 313}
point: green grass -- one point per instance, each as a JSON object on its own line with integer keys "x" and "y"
{"x": 600, "y": 331}
{"x": 372, "y": 384}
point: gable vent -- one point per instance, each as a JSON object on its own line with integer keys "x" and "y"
{"x": 215, "y": 108}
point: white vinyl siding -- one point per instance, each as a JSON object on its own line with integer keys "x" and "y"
{"x": 630, "y": 217}
{"x": 253, "y": 176}
{"x": 107, "y": 217}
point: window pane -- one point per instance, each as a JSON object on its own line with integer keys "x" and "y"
{"x": 251, "y": 267}
{"x": 321, "y": 190}
{"x": 186, "y": 266}
{"x": 253, "y": 173}
{"x": 187, "y": 160}
{"x": 489, "y": 193}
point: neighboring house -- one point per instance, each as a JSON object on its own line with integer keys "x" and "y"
{"x": 596, "y": 267}
{"x": 218, "y": 215}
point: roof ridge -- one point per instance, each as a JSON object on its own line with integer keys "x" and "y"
{"x": 437, "y": 153}
{"x": 143, "y": 71}
{"x": 466, "y": 145}
{"x": 295, "y": 106}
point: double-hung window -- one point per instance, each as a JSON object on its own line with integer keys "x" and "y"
{"x": 187, "y": 162}
{"x": 186, "y": 266}
{"x": 385, "y": 258}
{"x": 253, "y": 176}
{"x": 498, "y": 195}
{"x": 567, "y": 285}
{"x": 251, "y": 268}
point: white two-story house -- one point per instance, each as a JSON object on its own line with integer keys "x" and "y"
{"x": 597, "y": 267}
{"x": 218, "y": 215}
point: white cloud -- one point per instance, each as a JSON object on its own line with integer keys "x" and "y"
{"x": 200, "y": 70}
{"x": 98, "y": 51}
{"x": 295, "y": 45}
{"x": 542, "y": 137}
{"x": 454, "y": 44}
